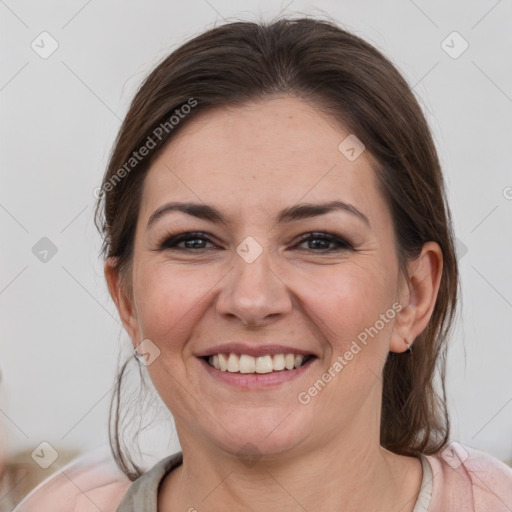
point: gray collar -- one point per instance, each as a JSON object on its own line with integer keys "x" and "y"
{"x": 142, "y": 495}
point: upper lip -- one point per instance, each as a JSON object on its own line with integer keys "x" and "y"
{"x": 255, "y": 350}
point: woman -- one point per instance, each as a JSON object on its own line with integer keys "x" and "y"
{"x": 280, "y": 251}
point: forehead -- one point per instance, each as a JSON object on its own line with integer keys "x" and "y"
{"x": 271, "y": 153}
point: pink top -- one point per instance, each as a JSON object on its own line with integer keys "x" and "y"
{"x": 458, "y": 479}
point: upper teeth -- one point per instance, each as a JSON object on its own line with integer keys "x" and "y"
{"x": 248, "y": 364}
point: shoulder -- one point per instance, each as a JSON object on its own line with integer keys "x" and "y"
{"x": 466, "y": 478}
{"x": 89, "y": 483}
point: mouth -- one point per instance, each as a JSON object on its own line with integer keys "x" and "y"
{"x": 248, "y": 364}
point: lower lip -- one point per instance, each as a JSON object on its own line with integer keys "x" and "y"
{"x": 256, "y": 380}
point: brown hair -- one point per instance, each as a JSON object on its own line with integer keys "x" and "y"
{"x": 354, "y": 84}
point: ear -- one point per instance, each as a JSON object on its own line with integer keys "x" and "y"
{"x": 418, "y": 295}
{"x": 123, "y": 299}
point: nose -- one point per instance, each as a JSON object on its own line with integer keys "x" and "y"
{"x": 253, "y": 292}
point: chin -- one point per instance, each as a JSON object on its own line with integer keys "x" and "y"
{"x": 260, "y": 432}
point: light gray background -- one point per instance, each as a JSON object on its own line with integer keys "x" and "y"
{"x": 60, "y": 334}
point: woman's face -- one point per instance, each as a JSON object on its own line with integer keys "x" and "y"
{"x": 280, "y": 274}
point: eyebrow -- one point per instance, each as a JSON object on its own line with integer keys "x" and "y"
{"x": 293, "y": 213}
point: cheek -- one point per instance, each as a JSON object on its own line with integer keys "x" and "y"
{"x": 350, "y": 301}
{"x": 170, "y": 304}
{"x": 354, "y": 311}
{"x": 168, "y": 301}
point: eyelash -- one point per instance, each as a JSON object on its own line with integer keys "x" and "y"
{"x": 173, "y": 241}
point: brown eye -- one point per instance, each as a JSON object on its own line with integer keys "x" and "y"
{"x": 191, "y": 240}
{"x": 323, "y": 242}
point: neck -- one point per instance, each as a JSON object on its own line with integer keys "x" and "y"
{"x": 338, "y": 475}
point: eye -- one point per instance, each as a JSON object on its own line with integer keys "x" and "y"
{"x": 192, "y": 240}
{"x": 319, "y": 242}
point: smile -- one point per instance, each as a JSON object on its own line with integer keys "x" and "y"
{"x": 244, "y": 363}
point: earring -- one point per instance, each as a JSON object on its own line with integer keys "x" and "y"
{"x": 408, "y": 345}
